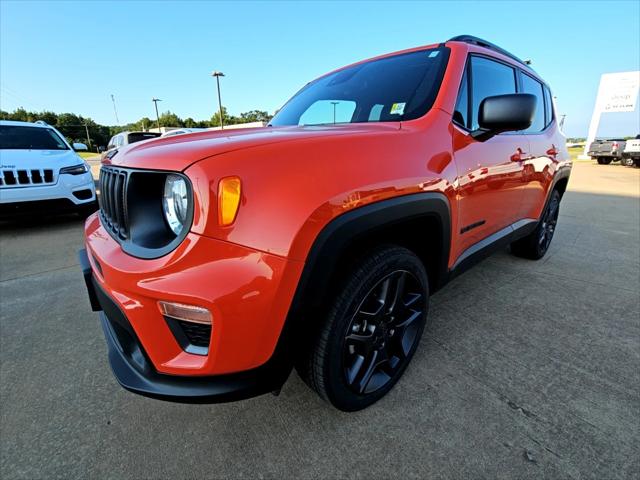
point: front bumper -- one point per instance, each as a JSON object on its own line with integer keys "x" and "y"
{"x": 135, "y": 372}
{"x": 41, "y": 207}
{"x": 63, "y": 189}
{"x": 247, "y": 292}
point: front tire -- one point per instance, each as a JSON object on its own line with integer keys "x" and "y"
{"x": 535, "y": 245}
{"x": 372, "y": 330}
{"x": 627, "y": 162}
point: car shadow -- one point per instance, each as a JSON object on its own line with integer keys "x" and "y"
{"x": 42, "y": 222}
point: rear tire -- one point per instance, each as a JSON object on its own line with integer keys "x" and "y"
{"x": 600, "y": 160}
{"x": 606, "y": 160}
{"x": 372, "y": 329}
{"x": 535, "y": 245}
{"x": 627, "y": 162}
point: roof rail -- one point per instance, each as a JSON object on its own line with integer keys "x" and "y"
{"x": 41, "y": 122}
{"x": 483, "y": 43}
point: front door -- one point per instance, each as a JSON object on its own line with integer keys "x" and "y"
{"x": 490, "y": 173}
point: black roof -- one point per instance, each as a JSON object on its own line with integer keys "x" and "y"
{"x": 483, "y": 43}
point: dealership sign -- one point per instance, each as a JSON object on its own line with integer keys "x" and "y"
{"x": 618, "y": 92}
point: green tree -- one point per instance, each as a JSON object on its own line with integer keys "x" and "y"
{"x": 48, "y": 117}
{"x": 145, "y": 123}
{"x": 20, "y": 115}
{"x": 255, "y": 116}
{"x": 168, "y": 119}
{"x": 228, "y": 119}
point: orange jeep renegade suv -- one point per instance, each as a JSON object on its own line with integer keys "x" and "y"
{"x": 221, "y": 260}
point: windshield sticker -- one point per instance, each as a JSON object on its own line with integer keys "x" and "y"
{"x": 433, "y": 54}
{"x": 397, "y": 109}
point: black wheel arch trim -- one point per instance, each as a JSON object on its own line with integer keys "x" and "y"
{"x": 353, "y": 225}
{"x": 335, "y": 238}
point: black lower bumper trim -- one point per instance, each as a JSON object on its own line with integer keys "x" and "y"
{"x": 134, "y": 371}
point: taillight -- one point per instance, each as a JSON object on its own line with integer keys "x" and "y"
{"x": 615, "y": 146}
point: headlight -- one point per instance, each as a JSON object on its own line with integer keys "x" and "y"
{"x": 76, "y": 169}
{"x": 175, "y": 202}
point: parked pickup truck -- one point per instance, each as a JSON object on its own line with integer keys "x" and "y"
{"x": 631, "y": 153}
{"x": 606, "y": 151}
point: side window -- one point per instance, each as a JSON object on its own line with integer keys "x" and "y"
{"x": 548, "y": 107}
{"x": 534, "y": 87}
{"x": 112, "y": 143}
{"x": 461, "y": 112}
{"x": 489, "y": 78}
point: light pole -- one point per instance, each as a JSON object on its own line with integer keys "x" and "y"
{"x": 155, "y": 102}
{"x": 217, "y": 74}
{"x": 334, "y": 111}
{"x": 86, "y": 128}
{"x": 113, "y": 100}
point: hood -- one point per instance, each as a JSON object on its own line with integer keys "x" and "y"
{"x": 180, "y": 151}
{"x": 38, "y": 159}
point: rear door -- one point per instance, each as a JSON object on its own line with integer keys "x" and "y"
{"x": 489, "y": 192}
{"x": 545, "y": 143}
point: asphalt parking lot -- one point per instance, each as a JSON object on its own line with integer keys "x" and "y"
{"x": 528, "y": 370}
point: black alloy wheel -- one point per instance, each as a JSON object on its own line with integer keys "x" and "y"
{"x": 370, "y": 331}
{"x": 535, "y": 245}
{"x": 549, "y": 222}
{"x": 382, "y": 332}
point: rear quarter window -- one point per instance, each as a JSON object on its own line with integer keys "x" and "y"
{"x": 548, "y": 106}
{"x": 534, "y": 87}
{"x": 138, "y": 137}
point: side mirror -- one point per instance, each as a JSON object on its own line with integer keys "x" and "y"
{"x": 80, "y": 147}
{"x": 505, "y": 113}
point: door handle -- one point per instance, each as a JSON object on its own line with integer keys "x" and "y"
{"x": 519, "y": 156}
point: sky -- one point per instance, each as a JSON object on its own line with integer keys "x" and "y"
{"x": 72, "y": 56}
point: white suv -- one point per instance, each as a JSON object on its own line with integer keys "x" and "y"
{"x": 40, "y": 172}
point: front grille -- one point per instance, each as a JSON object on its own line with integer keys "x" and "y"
{"x": 18, "y": 178}
{"x": 113, "y": 205}
{"x": 197, "y": 333}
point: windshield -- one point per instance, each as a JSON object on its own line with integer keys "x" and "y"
{"x": 30, "y": 138}
{"x": 391, "y": 89}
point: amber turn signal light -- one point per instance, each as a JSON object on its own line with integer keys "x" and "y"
{"x": 187, "y": 313}
{"x": 229, "y": 192}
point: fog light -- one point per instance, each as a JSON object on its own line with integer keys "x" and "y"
{"x": 187, "y": 313}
